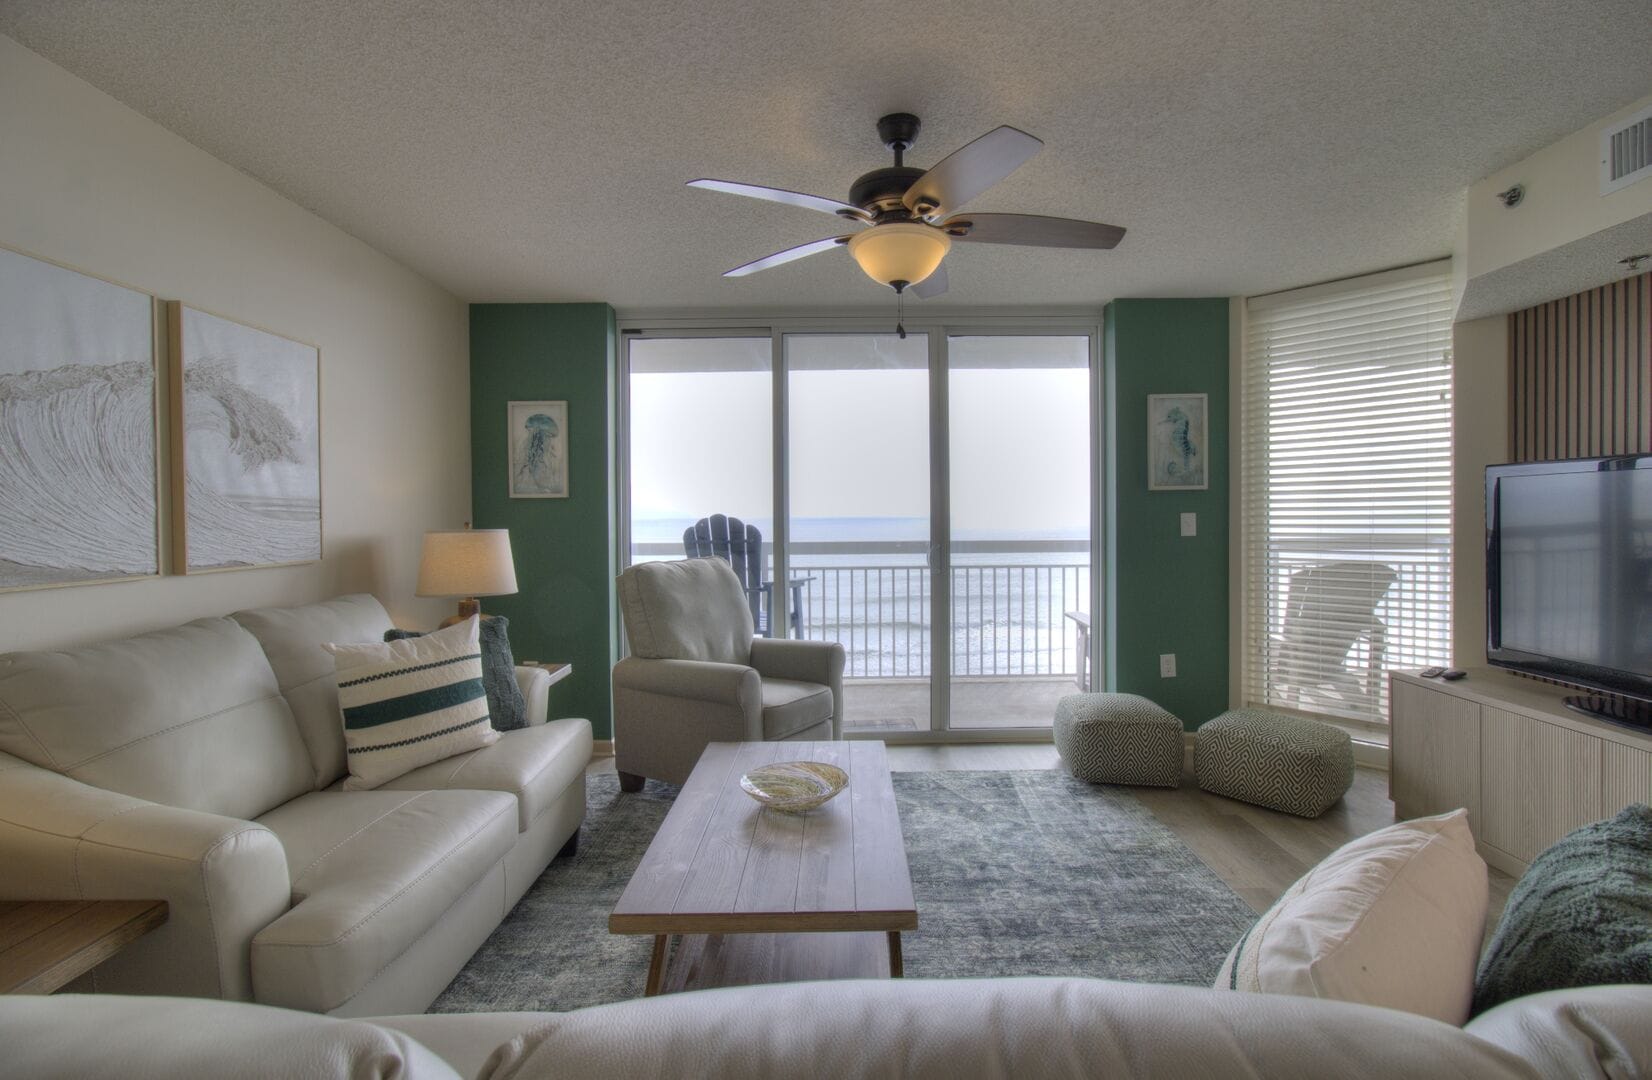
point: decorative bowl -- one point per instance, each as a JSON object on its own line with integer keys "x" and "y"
{"x": 794, "y": 787}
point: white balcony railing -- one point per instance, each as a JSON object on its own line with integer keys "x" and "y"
{"x": 1009, "y": 601}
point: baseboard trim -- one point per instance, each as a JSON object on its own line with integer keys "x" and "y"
{"x": 602, "y": 748}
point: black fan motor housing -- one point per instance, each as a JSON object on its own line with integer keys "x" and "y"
{"x": 881, "y": 189}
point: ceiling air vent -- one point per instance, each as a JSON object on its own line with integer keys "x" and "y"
{"x": 1626, "y": 152}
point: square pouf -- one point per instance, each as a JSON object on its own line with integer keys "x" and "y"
{"x": 1269, "y": 759}
{"x": 1119, "y": 739}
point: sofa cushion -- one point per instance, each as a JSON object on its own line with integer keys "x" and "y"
{"x": 409, "y": 703}
{"x": 137, "y": 1037}
{"x": 532, "y": 764}
{"x": 693, "y": 609}
{"x": 507, "y": 708}
{"x": 790, "y": 706}
{"x": 1393, "y": 919}
{"x": 372, "y": 871}
{"x": 1581, "y": 915}
{"x": 293, "y": 639}
{"x": 189, "y": 717}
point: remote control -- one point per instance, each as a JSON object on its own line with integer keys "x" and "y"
{"x": 1431, "y": 672}
{"x": 1453, "y": 675}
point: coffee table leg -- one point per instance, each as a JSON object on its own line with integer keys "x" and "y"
{"x": 656, "y": 966}
{"x": 895, "y": 970}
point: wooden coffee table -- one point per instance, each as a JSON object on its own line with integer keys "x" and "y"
{"x": 722, "y": 864}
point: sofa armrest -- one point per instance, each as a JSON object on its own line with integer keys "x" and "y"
{"x": 224, "y": 879}
{"x": 536, "y": 691}
{"x": 697, "y": 680}
{"x": 806, "y": 661}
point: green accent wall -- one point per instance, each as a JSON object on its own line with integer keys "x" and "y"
{"x": 1166, "y": 593}
{"x": 563, "y": 547}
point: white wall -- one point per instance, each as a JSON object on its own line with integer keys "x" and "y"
{"x": 1480, "y": 437}
{"x": 88, "y": 182}
{"x": 1562, "y": 202}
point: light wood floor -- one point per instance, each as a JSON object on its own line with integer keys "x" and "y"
{"x": 1259, "y": 853}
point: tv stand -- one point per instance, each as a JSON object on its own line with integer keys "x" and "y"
{"x": 1528, "y": 768}
{"x": 1631, "y": 713}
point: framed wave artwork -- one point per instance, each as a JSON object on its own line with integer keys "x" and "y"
{"x": 246, "y": 445}
{"x": 79, "y": 458}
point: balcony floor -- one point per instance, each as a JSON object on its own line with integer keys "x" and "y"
{"x": 978, "y": 702}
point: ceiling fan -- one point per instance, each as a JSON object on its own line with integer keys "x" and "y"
{"x": 912, "y": 216}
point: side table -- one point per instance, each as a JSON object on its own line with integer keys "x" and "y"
{"x": 47, "y": 944}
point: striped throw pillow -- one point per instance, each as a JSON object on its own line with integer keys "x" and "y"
{"x": 409, "y": 703}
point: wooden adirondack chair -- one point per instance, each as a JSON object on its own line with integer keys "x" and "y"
{"x": 741, "y": 546}
{"x": 1330, "y": 620}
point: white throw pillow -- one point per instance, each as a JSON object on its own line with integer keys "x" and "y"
{"x": 411, "y": 702}
{"x": 1392, "y": 919}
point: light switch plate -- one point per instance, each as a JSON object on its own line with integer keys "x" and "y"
{"x": 1167, "y": 665}
{"x": 1190, "y": 524}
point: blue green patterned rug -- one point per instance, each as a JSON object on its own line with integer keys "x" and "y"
{"x": 1016, "y": 873}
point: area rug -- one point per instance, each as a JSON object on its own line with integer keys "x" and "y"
{"x": 1015, "y": 873}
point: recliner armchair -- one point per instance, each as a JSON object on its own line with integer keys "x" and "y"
{"x": 696, "y": 674}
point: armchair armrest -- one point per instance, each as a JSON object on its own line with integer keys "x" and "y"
{"x": 223, "y": 878}
{"x": 666, "y": 711}
{"x": 805, "y": 661}
{"x": 536, "y": 691}
{"x": 697, "y": 680}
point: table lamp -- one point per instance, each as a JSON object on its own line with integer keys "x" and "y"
{"x": 465, "y": 564}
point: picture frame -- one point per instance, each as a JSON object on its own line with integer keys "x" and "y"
{"x": 536, "y": 449}
{"x": 245, "y": 421}
{"x": 1178, "y": 442}
{"x": 80, "y": 392}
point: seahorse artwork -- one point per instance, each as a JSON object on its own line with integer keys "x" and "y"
{"x": 1182, "y": 464}
{"x": 539, "y": 459}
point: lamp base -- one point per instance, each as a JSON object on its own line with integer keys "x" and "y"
{"x": 467, "y": 607}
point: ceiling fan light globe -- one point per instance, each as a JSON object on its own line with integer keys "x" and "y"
{"x": 899, "y": 251}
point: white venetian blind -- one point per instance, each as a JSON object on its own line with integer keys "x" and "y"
{"x": 1346, "y": 502}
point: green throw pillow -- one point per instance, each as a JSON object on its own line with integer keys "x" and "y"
{"x": 1581, "y": 915}
{"x": 506, "y": 704}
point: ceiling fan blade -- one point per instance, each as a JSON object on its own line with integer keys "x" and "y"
{"x": 931, "y": 286}
{"x": 791, "y": 254}
{"x": 780, "y": 195}
{"x": 1032, "y": 230}
{"x": 968, "y": 171}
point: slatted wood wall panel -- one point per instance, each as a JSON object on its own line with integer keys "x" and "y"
{"x": 1580, "y": 374}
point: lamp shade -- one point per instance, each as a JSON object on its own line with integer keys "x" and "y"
{"x": 469, "y": 562}
{"x": 903, "y": 251}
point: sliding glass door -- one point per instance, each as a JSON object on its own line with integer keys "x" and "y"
{"x": 929, "y": 502}
{"x": 858, "y": 528}
{"x": 700, "y": 439}
{"x": 1020, "y": 461}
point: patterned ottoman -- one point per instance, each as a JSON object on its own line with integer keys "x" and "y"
{"x": 1273, "y": 760}
{"x": 1118, "y": 739}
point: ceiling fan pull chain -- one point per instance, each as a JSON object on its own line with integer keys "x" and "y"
{"x": 900, "y": 315}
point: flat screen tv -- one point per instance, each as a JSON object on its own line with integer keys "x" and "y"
{"x": 1569, "y": 578}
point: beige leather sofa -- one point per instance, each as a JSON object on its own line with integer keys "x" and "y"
{"x": 202, "y": 765}
{"x": 696, "y": 675}
{"x": 1028, "y": 1029}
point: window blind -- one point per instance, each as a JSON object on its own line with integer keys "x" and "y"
{"x": 1346, "y": 491}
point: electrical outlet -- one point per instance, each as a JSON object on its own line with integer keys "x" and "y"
{"x": 1167, "y": 665}
{"x": 1190, "y": 524}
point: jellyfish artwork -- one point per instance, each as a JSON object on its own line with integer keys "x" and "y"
{"x": 539, "y": 461}
{"x": 1181, "y": 465}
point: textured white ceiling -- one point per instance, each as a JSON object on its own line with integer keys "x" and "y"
{"x": 518, "y": 150}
